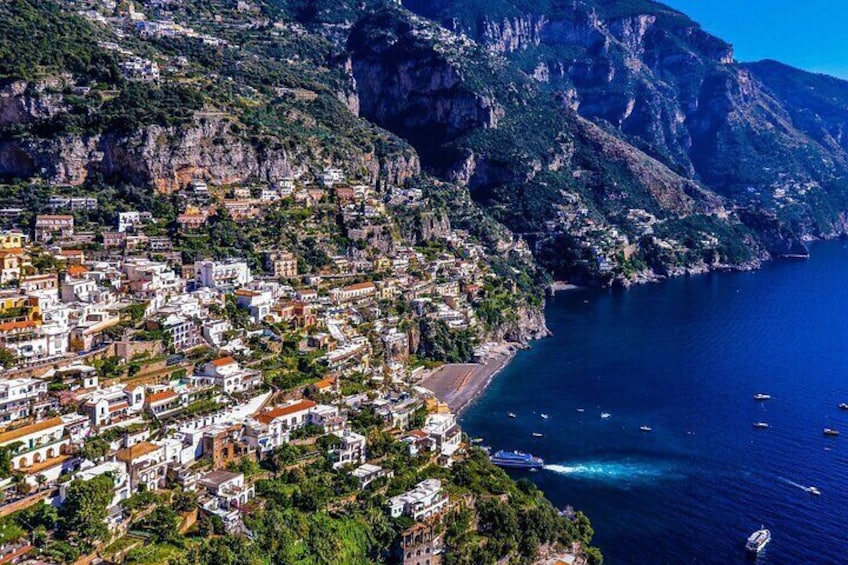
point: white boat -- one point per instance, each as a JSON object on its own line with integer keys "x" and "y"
{"x": 581, "y": 409}
{"x": 537, "y": 434}
{"x": 830, "y": 432}
{"x": 544, "y": 416}
{"x": 843, "y": 406}
{"x": 605, "y": 415}
{"x": 511, "y": 414}
{"x": 758, "y": 540}
{"x": 813, "y": 490}
{"x": 761, "y": 425}
{"x": 762, "y": 396}
{"x": 646, "y": 428}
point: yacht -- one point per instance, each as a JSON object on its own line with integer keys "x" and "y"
{"x": 758, "y": 540}
{"x": 831, "y": 432}
{"x": 646, "y": 428}
{"x": 536, "y": 434}
{"x": 605, "y": 415}
{"x": 581, "y": 409}
{"x": 517, "y": 460}
{"x": 761, "y": 425}
{"x": 761, "y": 396}
{"x": 843, "y": 406}
{"x": 544, "y": 416}
{"x": 813, "y": 490}
{"x": 511, "y": 414}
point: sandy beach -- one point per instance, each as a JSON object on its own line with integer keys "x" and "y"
{"x": 458, "y": 384}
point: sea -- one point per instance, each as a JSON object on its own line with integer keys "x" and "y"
{"x": 685, "y": 358}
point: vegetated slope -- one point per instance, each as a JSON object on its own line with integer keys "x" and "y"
{"x": 659, "y": 81}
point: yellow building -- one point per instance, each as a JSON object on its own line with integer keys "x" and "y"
{"x": 11, "y": 240}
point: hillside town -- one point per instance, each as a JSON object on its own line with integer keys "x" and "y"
{"x": 197, "y": 380}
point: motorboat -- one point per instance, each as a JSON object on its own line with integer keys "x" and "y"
{"x": 758, "y": 541}
{"x": 536, "y": 434}
{"x": 813, "y": 490}
{"x": 761, "y": 425}
{"x": 646, "y": 428}
{"x": 605, "y": 415}
{"x": 511, "y": 414}
{"x": 544, "y": 416}
{"x": 830, "y": 432}
{"x": 843, "y": 406}
{"x": 762, "y": 396}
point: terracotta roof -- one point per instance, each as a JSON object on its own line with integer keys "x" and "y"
{"x": 12, "y": 435}
{"x": 71, "y": 252}
{"x": 118, "y": 406}
{"x": 160, "y": 396}
{"x": 75, "y": 270}
{"x": 10, "y": 326}
{"x": 140, "y": 449}
{"x": 420, "y": 434}
{"x": 220, "y": 362}
{"x": 11, "y": 251}
{"x": 244, "y": 292}
{"x": 280, "y": 411}
{"x": 54, "y": 217}
{"x": 360, "y": 286}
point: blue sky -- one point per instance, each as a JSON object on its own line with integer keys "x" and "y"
{"x": 809, "y": 34}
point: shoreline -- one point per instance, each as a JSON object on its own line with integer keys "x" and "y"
{"x": 460, "y": 384}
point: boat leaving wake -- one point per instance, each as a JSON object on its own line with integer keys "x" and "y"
{"x": 612, "y": 472}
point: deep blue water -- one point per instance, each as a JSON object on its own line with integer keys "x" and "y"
{"x": 685, "y": 358}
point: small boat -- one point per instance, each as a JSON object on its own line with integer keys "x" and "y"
{"x": 605, "y": 415}
{"x": 536, "y": 434}
{"x": 544, "y": 416}
{"x": 511, "y": 414}
{"x": 581, "y": 410}
{"x": 831, "y": 432}
{"x": 761, "y": 396}
{"x": 646, "y": 428}
{"x": 758, "y": 540}
{"x": 477, "y": 440}
{"x": 843, "y": 406}
{"x": 761, "y": 425}
{"x": 813, "y": 490}
{"x": 517, "y": 460}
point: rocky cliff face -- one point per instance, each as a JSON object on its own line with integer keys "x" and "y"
{"x": 211, "y": 147}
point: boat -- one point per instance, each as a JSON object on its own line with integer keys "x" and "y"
{"x": 758, "y": 540}
{"x": 646, "y": 428}
{"x": 477, "y": 440}
{"x": 581, "y": 409}
{"x": 761, "y": 425}
{"x": 813, "y": 490}
{"x": 605, "y": 415}
{"x": 830, "y": 432}
{"x": 517, "y": 460}
{"x": 511, "y": 414}
{"x": 843, "y": 406}
{"x": 761, "y": 396}
{"x": 544, "y": 416}
{"x": 536, "y": 434}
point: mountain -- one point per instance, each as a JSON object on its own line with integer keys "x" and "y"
{"x": 617, "y": 137}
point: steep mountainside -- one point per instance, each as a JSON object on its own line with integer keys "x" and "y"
{"x": 663, "y": 84}
{"x": 619, "y": 138}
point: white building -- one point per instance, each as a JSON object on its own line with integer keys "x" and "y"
{"x": 351, "y": 450}
{"x": 424, "y": 501}
{"x": 222, "y": 275}
{"x": 270, "y": 429}
{"x": 17, "y": 397}
{"x": 128, "y": 221}
{"x": 226, "y": 374}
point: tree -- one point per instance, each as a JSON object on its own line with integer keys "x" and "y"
{"x": 7, "y": 357}
{"x": 84, "y": 510}
{"x": 94, "y": 448}
{"x": 184, "y": 501}
{"x": 162, "y": 523}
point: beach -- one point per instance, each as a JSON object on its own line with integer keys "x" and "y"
{"x": 458, "y": 384}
